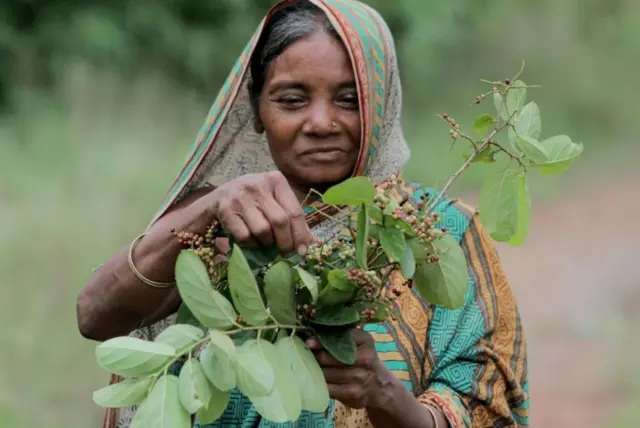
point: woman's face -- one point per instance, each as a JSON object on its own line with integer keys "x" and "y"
{"x": 309, "y": 110}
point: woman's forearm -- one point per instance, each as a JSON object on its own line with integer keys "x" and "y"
{"x": 114, "y": 301}
{"x": 397, "y": 407}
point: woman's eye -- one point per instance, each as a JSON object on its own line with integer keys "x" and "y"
{"x": 349, "y": 101}
{"x": 292, "y": 101}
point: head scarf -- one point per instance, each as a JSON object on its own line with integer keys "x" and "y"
{"x": 228, "y": 147}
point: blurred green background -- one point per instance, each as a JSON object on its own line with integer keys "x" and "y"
{"x": 99, "y": 103}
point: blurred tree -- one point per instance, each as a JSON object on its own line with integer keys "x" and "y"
{"x": 192, "y": 41}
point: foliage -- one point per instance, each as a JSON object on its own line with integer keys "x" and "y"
{"x": 246, "y": 313}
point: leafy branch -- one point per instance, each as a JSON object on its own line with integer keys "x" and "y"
{"x": 245, "y": 314}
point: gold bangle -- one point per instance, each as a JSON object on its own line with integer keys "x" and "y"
{"x": 433, "y": 414}
{"x": 147, "y": 281}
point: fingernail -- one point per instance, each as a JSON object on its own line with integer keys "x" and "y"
{"x": 302, "y": 250}
{"x": 312, "y": 343}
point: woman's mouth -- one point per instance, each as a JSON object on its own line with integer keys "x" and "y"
{"x": 324, "y": 154}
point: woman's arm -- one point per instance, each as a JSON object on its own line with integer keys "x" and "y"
{"x": 114, "y": 301}
{"x": 399, "y": 408}
{"x": 254, "y": 209}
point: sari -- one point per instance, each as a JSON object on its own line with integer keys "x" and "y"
{"x": 471, "y": 363}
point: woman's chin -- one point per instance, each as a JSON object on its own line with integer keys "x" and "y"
{"x": 324, "y": 179}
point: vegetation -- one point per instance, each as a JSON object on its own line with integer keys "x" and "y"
{"x": 98, "y": 113}
{"x": 244, "y": 314}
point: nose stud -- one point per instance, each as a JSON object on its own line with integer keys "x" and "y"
{"x": 334, "y": 124}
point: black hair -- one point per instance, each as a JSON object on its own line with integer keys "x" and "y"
{"x": 292, "y": 22}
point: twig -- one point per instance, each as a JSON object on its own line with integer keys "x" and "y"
{"x": 464, "y": 166}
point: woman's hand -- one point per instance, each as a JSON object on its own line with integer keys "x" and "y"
{"x": 262, "y": 210}
{"x": 358, "y": 385}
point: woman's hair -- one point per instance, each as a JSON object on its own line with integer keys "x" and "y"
{"x": 288, "y": 24}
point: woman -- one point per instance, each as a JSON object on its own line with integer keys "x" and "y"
{"x": 315, "y": 98}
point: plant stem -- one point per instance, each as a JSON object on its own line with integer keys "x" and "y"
{"x": 464, "y": 166}
{"x": 379, "y": 252}
{"x": 334, "y": 206}
{"x": 331, "y": 265}
{"x": 516, "y": 158}
{"x": 383, "y": 266}
{"x": 335, "y": 220}
{"x": 258, "y": 328}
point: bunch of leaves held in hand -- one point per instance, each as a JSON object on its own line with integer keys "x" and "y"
{"x": 245, "y": 314}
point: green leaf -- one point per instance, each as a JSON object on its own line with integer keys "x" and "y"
{"x": 338, "y": 279}
{"x": 180, "y": 337}
{"x": 445, "y": 282}
{"x": 336, "y": 316}
{"x": 210, "y": 307}
{"x": 374, "y": 213}
{"x": 532, "y": 149}
{"x": 130, "y": 356}
{"x": 382, "y": 312}
{"x": 500, "y": 109}
{"x": 515, "y": 98}
{"x": 308, "y": 375}
{"x": 330, "y": 296}
{"x": 389, "y": 222}
{"x": 528, "y": 122}
{"x": 362, "y": 237}
{"x": 309, "y": 281}
{"x": 393, "y": 243}
{"x": 562, "y": 153}
{"x": 216, "y": 406}
{"x": 374, "y": 231}
{"x": 128, "y": 392}
{"x": 514, "y": 147}
{"x": 514, "y": 101}
{"x": 524, "y": 211}
{"x": 269, "y": 335}
{"x": 353, "y": 191}
{"x": 284, "y": 402}
{"x": 261, "y": 256}
{"x": 408, "y": 263}
{"x": 194, "y": 389}
{"x": 381, "y": 309}
{"x": 418, "y": 249}
{"x": 185, "y": 316}
{"x": 340, "y": 344}
{"x": 483, "y": 123}
{"x": 254, "y": 373}
{"x": 280, "y": 287}
{"x": 498, "y": 203}
{"x": 162, "y": 407}
{"x": 486, "y": 155}
{"x": 244, "y": 289}
{"x": 391, "y": 207}
{"x": 218, "y": 361}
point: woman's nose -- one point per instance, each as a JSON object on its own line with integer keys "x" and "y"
{"x": 321, "y": 119}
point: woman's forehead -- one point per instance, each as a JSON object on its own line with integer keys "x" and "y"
{"x": 319, "y": 57}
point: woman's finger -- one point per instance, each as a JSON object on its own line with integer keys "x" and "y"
{"x": 325, "y": 359}
{"x": 346, "y": 375}
{"x": 258, "y": 225}
{"x": 280, "y": 224}
{"x": 301, "y": 234}
{"x": 234, "y": 223}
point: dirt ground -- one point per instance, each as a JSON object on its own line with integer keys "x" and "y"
{"x": 576, "y": 279}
